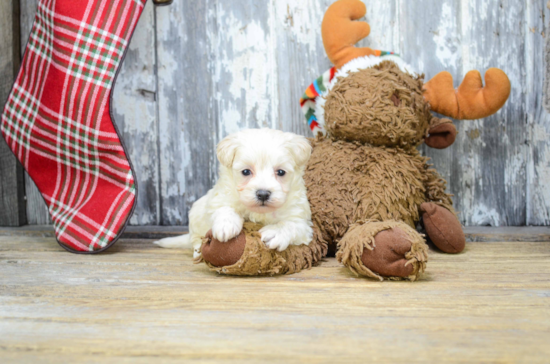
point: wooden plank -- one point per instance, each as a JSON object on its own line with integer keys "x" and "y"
{"x": 489, "y": 176}
{"x": 140, "y": 301}
{"x": 188, "y": 116}
{"x": 537, "y": 55}
{"x": 431, "y": 47}
{"x": 533, "y": 16}
{"x": 37, "y": 211}
{"x": 245, "y": 66}
{"x": 12, "y": 189}
{"x": 300, "y": 58}
{"x": 473, "y": 233}
{"x": 486, "y": 167}
{"x": 134, "y": 110}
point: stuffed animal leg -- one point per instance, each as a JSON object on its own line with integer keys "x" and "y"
{"x": 247, "y": 255}
{"x": 390, "y": 249}
{"x": 439, "y": 218}
{"x": 443, "y": 228}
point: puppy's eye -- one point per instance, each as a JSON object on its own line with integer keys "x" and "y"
{"x": 246, "y": 172}
{"x": 280, "y": 173}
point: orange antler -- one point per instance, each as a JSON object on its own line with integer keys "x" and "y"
{"x": 340, "y": 33}
{"x": 471, "y": 100}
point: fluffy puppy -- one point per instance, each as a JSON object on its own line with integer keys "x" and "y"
{"x": 261, "y": 180}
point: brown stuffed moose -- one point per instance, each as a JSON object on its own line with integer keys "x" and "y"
{"x": 368, "y": 185}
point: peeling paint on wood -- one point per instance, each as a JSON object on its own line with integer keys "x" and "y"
{"x": 37, "y": 212}
{"x": 199, "y": 70}
{"x": 188, "y": 117}
{"x": 490, "y": 181}
{"x": 12, "y": 189}
{"x": 431, "y": 45}
{"x": 135, "y": 113}
{"x": 538, "y": 117}
{"x": 546, "y": 64}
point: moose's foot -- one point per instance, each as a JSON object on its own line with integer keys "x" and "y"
{"x": 247, "y": 255}
{"x": 443, "y": 228}
{"x": 220, "y": 254}
{"x": 387, "y": 257}
{"x": 389, "y": 249}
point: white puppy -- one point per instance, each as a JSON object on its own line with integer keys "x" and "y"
{"x": 261, "y": 180}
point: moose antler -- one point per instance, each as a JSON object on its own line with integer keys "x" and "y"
{"x": 471, "y": 100}
{"x": 340, "y": 32}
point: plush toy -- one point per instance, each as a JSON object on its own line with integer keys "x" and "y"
{"x": 368, "y": 185}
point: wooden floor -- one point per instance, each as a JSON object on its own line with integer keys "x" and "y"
{"x": 140, "y": 303}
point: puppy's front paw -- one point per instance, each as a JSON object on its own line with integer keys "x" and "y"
{"x": 227, "y": 227}
{"x": 275, "y": 238}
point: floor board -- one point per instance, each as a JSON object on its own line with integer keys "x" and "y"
{"x": 138, "y": 302}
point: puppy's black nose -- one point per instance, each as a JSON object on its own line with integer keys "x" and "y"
{"x": 263, "y": 195}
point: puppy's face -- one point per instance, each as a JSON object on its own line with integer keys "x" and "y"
{"x": 265, "y": 166}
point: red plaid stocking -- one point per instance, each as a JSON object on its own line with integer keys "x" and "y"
{"x": 57, "y": 119}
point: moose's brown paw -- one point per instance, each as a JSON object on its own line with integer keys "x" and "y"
{"x": 223, "y": 254}
{"x": 443, "y": 228}
{"x": 388, "y": 256}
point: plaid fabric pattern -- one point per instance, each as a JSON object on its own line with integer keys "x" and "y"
{"x": 319, "y": 87}
{"x": 57, "y": 118}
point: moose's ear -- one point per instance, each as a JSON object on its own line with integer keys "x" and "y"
{"x": 441, "y": 134}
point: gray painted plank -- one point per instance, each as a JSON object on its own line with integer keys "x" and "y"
{"x": 546, "y": 45}
{"x": 12, "y": 189}
{"x": 540, "y": 16}
{"x": 135, "y": 113}
{"x": 37, "y": 211}
{"x": 486, "y": 167}
{"x": 491, "y": 170}
{"x": 245, "y": 71}
{"x": 431, "y": 47}
{"x": 300, "y": 58}
{"x": 188, "y": 117}
{"x": 538, "y": 116}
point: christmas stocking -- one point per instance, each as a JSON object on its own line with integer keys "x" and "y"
{"x": 57, "y": 119}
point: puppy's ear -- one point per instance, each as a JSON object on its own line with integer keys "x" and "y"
{"x": 300, "y": 148}
{"x": 227, "y": 149}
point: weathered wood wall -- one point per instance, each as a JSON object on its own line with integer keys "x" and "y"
{"x": 12, "y": 188}
{"x": 200, "y": 69}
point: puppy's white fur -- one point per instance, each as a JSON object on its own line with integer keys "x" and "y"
{"x": 286, "y": 215}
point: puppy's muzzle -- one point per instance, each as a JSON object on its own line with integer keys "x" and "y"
{"x": 263, "y": 195}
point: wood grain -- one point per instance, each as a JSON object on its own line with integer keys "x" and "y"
{"x": 141, "y": 303}
{"x": 135, "y": 111}
{"x": 198, "y": 70}
{"x": 537, "y": 53}
{"x": 433, "y": 46}
{"x": 12, "y": 187}
{"x": 494, "y": 149}
{"x": 188, "y": 116}
{"x": 37, "y": 211}
{"x": 472, "y": 233}
{"x": 299, "y": 58}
